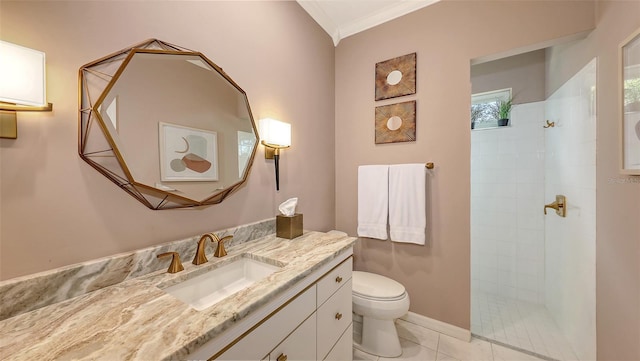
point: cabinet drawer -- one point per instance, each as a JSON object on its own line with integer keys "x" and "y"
{"x": 343, "y": 349}
{"x": 300, "y": 345}
{"x": 334, "y": 316}
{"x": 273, "y": 330}
{"x": 330, "y": 283}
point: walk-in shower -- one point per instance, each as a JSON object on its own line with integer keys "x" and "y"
{"x": 533, "y": 275}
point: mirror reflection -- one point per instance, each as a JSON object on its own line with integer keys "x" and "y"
{"x": 181, "y": 130}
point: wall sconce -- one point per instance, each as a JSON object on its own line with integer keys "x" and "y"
{"x": 22, "y": 85}
{"x": 275, "y": 135}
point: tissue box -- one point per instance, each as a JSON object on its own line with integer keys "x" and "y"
{"x": 289, "y": 227}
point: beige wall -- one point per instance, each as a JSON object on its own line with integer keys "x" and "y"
{"x": 446, "y": 36}
{"x": 56, "y": 210}
{"x": 524, "y": 73}
{"x": 618, "y": 197}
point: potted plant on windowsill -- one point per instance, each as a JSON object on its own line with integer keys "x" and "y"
{"x": 502, "y": 111}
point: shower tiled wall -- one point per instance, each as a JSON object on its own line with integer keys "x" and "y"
{"x": 570, "y": 251}
{"x": 507, "y": 196}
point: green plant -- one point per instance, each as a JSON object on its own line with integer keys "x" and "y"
{"x": 502, "y": 109}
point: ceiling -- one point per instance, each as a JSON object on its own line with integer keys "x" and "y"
{"x": 343, "y": 18}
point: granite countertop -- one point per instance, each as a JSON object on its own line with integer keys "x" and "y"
{"x": 136, "y": 320}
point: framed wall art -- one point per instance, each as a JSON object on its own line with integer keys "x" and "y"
{"x": 396, "y": 77}
{"x": 187, "y": 154}
{"x": 630, "y": 104}
{"x": 396, "y": 123}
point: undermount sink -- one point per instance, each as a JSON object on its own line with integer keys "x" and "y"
{"x": 207, "y": 289}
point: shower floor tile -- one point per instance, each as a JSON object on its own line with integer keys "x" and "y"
{"x": 523, "y": 325}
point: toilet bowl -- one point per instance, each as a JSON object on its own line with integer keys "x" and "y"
{"x": 379, "y": 300}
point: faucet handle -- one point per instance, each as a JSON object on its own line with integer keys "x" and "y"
{"x": 220, "y": 251}
{"x": 176, "y": 265}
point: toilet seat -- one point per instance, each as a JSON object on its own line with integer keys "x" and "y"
{"x": 376, "y": 287}
{"x": 380, "y": 298}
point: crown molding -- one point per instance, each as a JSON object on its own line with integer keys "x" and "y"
{"x": 382, "y": 16}
{"x": 313, "y": 8}
{"x": 337, "y": 32}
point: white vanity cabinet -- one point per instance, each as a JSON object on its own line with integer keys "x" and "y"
{"x": 334, "y": 310}
{"x": 312, "y": 321}
{"x": 343, "y": 349}
{"x": 300, "y": 345}
{"x": 259, "y": 342}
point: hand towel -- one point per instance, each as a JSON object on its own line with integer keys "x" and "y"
{"x": 407, "y": 203}
{"x": 373, "y": 201}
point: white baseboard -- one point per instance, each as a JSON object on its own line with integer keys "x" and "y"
{"x": 439, "y": 326}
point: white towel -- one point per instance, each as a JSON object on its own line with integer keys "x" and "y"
{"x": 373, "y": 201}
{"x": 407, "y": 203}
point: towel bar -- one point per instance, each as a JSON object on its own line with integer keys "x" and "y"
{"x": 429, "y": 165}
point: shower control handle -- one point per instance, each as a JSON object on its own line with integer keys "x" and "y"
{"x": 560, "y": 205}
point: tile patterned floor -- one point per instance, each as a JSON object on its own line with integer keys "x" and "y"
{"x": 422, "y": 344}
{"x": 522, "y": 325}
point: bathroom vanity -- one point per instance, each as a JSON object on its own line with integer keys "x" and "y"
{"x": 315, "y": 324}
{"x": 302, "y": 310}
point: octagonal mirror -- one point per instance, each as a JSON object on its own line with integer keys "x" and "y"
{"x": 166, "y": 125}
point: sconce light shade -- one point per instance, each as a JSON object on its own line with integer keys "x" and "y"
{"x": 275, "y": 135}
{"x": 23, "y": 75}
{"x": 22, "y": 85}
{"x": 275, "y": 132}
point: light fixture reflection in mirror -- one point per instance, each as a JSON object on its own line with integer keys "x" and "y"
{"x": 166, "y": 125}
{"x": 275, "y": 135}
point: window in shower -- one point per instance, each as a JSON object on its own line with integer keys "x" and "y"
{"x": 483, "y": 107}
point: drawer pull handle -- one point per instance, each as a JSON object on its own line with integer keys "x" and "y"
{"x": 338, "y": 279}
{"x": 338, "y": 316}
{"x": 282, "y": 357}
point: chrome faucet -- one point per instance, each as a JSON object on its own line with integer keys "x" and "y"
{"x": 200, "y": 256}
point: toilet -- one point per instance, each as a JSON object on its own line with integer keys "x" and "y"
{"x": 379, "y": 300}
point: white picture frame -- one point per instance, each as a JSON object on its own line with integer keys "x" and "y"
{"x": 629, "y": 104}
{"x": 187, "y": 154}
